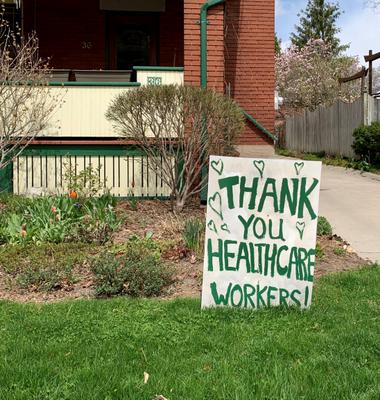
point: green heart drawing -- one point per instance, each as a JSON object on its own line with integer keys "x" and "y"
{"x": 217, "y": 166}
{"x": 215, "y": 203}
{"x": 298, "y": 166}
{"x": 300, "y": 228}
{"x": 211, "y": 225}
{"x": 259, "y": 165}
{"x": 225, "y": 228}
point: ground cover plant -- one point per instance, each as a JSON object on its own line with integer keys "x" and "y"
{"x": 100, "y": 349}
{"x": 44, "y": 267}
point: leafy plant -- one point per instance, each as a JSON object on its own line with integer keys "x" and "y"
{"x": 367, "y": 143}
{"x": 193, "y": 234}
{"x": 137, "y": 270}
{"x": 133, "y": 202}
{"x": 319, "y": 253}
{"x": 85, "y": 183}
{"x": 59, "y": 219}
{"x": 324, "y": 228}
{"x": 99, "y": 221}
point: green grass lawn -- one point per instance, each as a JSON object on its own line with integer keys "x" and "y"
{"x": 99, "y": 349}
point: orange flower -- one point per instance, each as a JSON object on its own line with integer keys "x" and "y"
{"x": 73, "y": 194}
{"x": 54, "y": 209}
{"x": 23, "y": 230}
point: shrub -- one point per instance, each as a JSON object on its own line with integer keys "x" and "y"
{"x": 193, "y": 234}
{"x": 324, "y": 228}
{"x": 178, "y": 127}
{"x": 136, "y": 271}
{"x": 367, "y": 143}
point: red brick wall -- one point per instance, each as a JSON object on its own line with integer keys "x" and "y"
{"x": 249, "y": 54}
{"x": 240, "y": 57}
{"x": 63, "y": 26}
{"x": 215, "y": 57}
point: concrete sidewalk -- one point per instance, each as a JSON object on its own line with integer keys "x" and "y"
{"x": 351, "y": 202}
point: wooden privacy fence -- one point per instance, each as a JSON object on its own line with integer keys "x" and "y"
{"x": 330, "y": 129}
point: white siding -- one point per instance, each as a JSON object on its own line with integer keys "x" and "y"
{"x": 82, "y": 111}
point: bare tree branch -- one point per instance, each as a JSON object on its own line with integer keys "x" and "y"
{"x": 26, "y": 103}
{"x": 178, "y": 128}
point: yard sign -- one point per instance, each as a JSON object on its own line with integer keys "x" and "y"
{"x": 261, "y": 232}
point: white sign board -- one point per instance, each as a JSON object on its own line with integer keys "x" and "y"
{"x": 261, "y": 232}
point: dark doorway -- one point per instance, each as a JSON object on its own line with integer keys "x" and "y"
{"x": 133, "y": 40}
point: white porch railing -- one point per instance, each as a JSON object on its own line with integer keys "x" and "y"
{"x": 84, "y": 104}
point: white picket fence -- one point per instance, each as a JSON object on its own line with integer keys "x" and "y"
{"x": 330, "y": 129}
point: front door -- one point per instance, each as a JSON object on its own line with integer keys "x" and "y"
{"x": 132, "y": 41}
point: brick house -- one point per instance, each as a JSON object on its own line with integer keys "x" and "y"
{"x": 101, "y": 47}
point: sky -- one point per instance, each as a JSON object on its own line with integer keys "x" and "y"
{"x": 360, "y": 25}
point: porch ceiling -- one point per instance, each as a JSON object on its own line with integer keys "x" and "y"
{"x": 133, "y": 5}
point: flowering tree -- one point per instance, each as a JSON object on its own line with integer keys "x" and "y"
{"x": 26, "y": 104}
{"x": 307, "y": 77}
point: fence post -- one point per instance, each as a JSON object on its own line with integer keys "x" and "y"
{"x": 365, "y": 109}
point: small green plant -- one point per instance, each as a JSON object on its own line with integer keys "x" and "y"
{"x": 319, "y": 253}
{"x": 86, "y": 183}
{"x": 339, "y": 251}
{"x": 136, "y": 270}
{"x": 324, "y": 228}
{"x": 193, "y": 234}
{"x": 133, "y": 202}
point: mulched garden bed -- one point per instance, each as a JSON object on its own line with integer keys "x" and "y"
{"x": 154, "y": 218}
